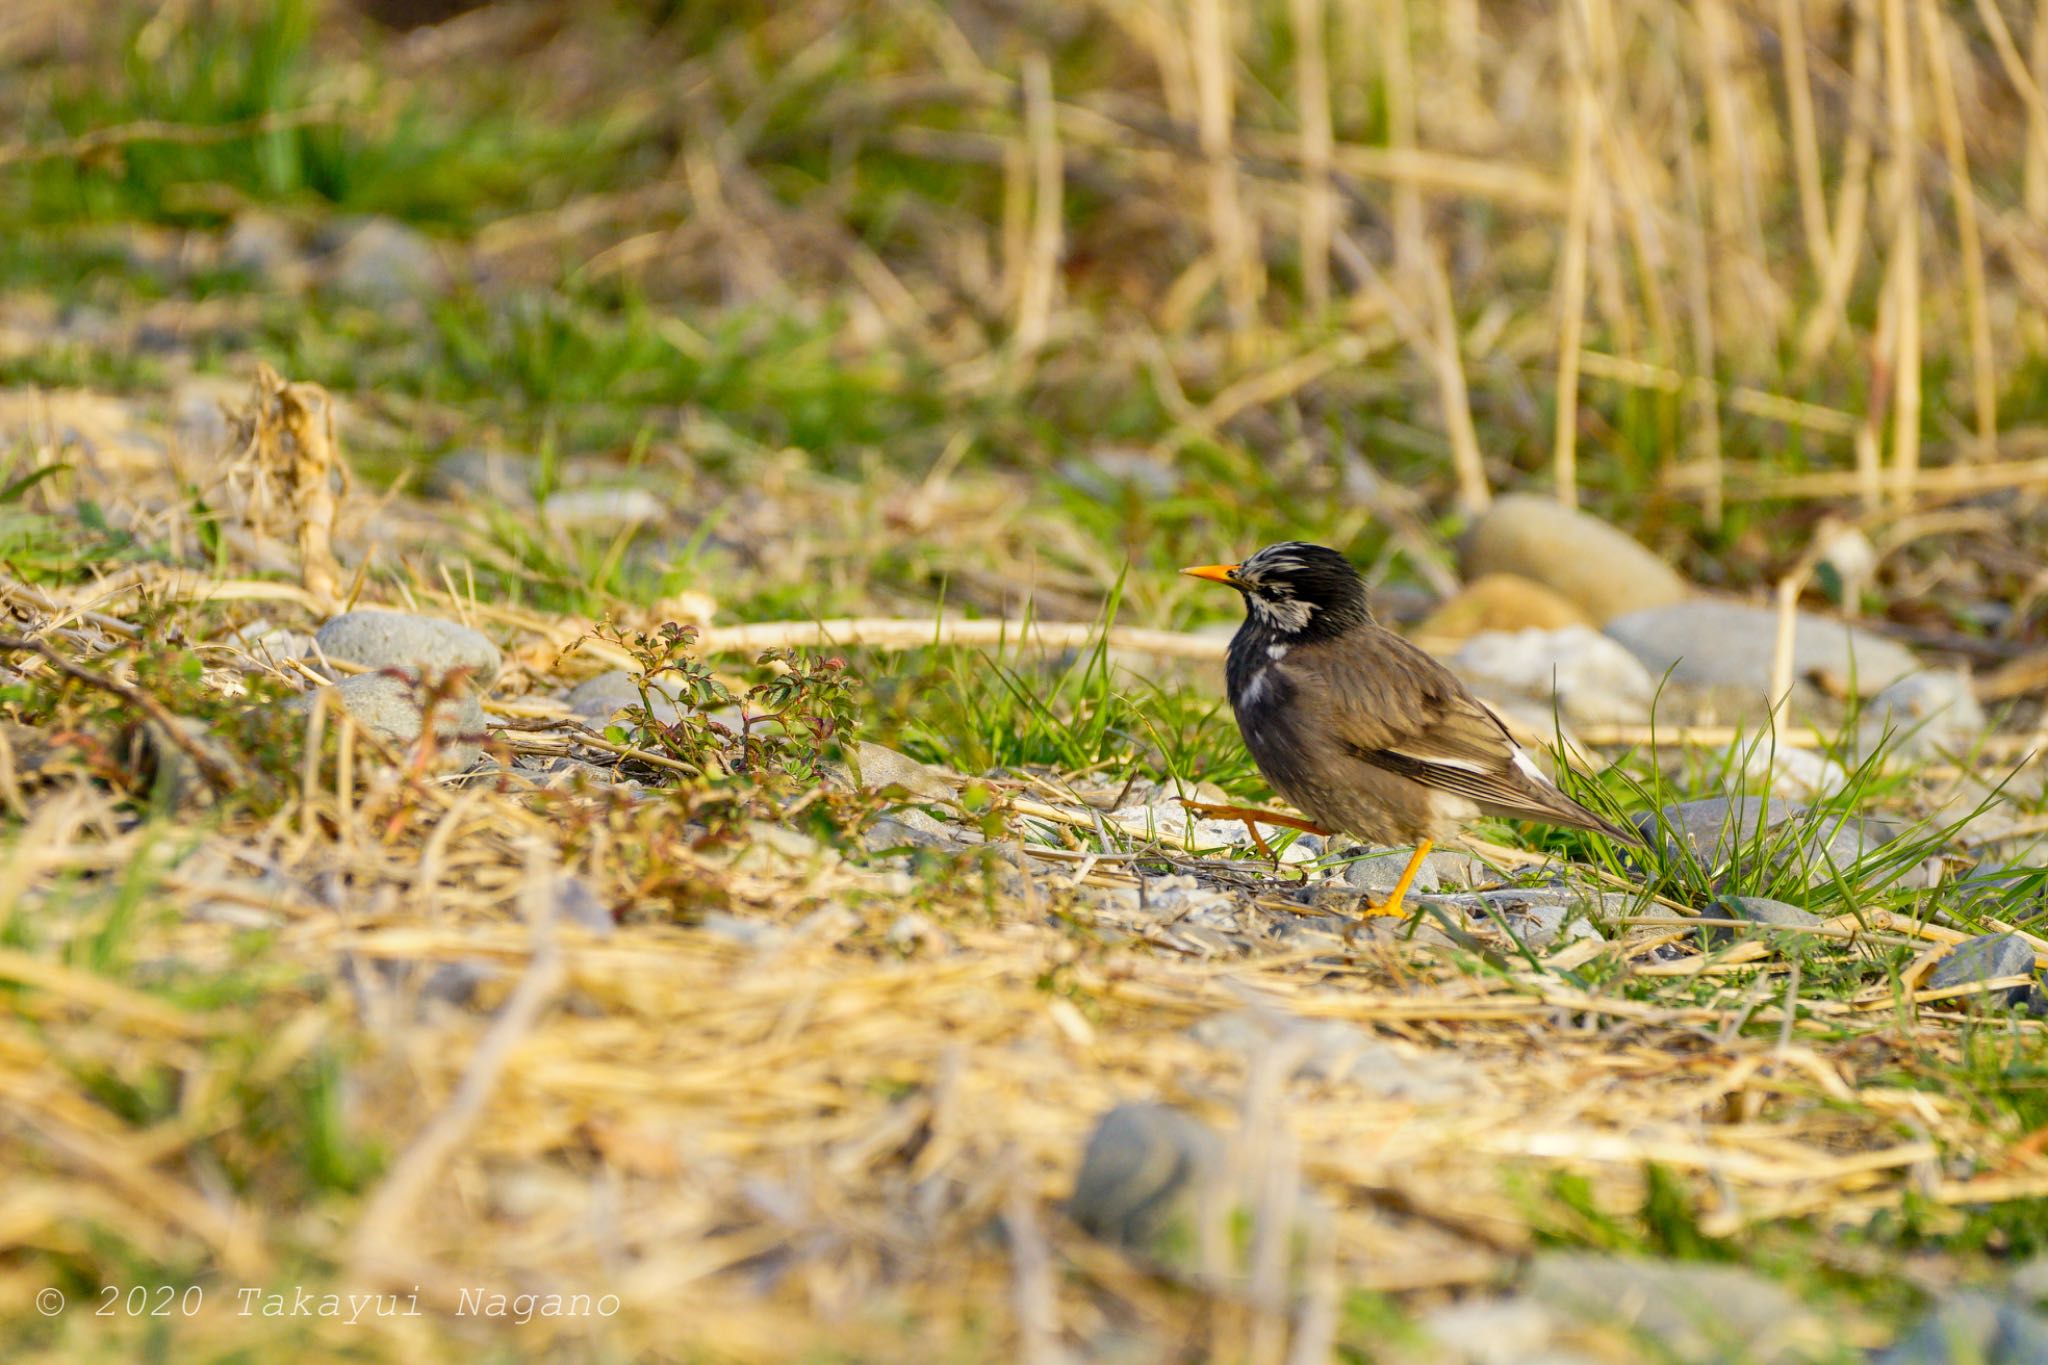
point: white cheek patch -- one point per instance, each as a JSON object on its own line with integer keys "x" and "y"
{"x": 1287, "y": 614}
{"x": 1276, "y": 652}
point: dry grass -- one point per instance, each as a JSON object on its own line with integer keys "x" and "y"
{"x": 330, "y": 1018}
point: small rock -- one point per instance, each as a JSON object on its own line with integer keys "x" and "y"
{"x": 599, "y": 700}
{"x": 747, "y": 933}
{"x": 1337, "y": 1052}
{"x": 1144, "y": 1166}
{"x": 1107, "y": 475}
{"x": 424, "y": 645}
{"x": 1374, "y": 871}
{"x": 1796, "y": 774}
{"x": 602, "y": 509}
{"x": 1722, "y": 833}
{"x": 391, "y": 709}
{"x": 1593, "y": 679}
{"x": 1923, "y": 716}
{"x": 1758, "y": 910}
{"x": 1500, "y": 601}
{"x": 912, "y": 930}
{"x": 485, "y": 475}
{"x": 1583, "y": 559}
{"x": 1692, "y": 1310}
{"x": 264, "y": 247}
{"x": 2029, "y": 1282}
{"x": 576, "y": 903}
{"x": 272, "y": 644}
{"x": 381, "y": 260}
{"x": 1492, "y": 1331}
{"x": 1704, "y": 643}
{"x": 881, "y": 766}
{"x": 1972, "y": 1329}
{"x": 456, "y": 983}
{"x": 910, "y": 827}
{"x": 1986, "y": 958}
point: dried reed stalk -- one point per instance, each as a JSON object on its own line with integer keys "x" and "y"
{"x": 1934, "y": 33}
{"x": 1704, "y": 447}
{"x": 894, "y": 633}
{"x": 1830, "y": 312}
{"x": 1233, "y": 239}
{"x": 1904, "y": 207}
{"x": 1318, "y": 198}
{"x": 1043, "y": 248}
{"x": 1813, "y": 208}
{"x": 1571, "y": 286}
{"x": 1397, "y": 65}
{"x": 2035, "y": 184}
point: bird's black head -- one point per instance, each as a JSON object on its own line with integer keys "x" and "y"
{"x": 1296, "y": 591}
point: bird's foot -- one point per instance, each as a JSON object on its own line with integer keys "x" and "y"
{"x": 1252, "y": 816}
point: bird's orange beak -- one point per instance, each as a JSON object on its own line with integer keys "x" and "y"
{"x": 1215, "y": 573}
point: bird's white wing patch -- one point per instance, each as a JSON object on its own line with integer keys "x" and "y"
{"x": 1465, "y": 765}
{"x": 1254, "y": 688}
{"x": 1529, "y": 768}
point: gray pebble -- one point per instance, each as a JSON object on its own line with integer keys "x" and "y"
{"x": 1337, "y": 1052}
{"x": 1923, "y": 716}
{"x": 881, "y": 766}
{"x": 1986, "y": 958}
{"x": 1143, "y": 1167}
{"x": 486, "y": 475}
{"x": 602, "y": 509}
{"x": 426, "y": 645}
{"x": 380, "y": 260}
{"x": 1972, "y": 1329}
{"x": 1592, "y": 679}
{"x": 599, "y": 700}
{"x": 1693, "y": 1310}
{"x": 391, "y": 709}
{"x": 1758, "y": 910}
{"x": 578, "y": 904}
{"x": 1710, "y": 642}
{"x": 1722, "y": 835}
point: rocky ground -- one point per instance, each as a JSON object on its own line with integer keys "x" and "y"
{"x": 690, "y": 996}
{"x": 595, "y": 710}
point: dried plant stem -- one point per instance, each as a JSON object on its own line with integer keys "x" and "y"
{"x": 1948, "y": 116}
{"x": 1318, "y": 198}
{"x": 2026, "y": 83}
{"x": 1705, "y": 461}
{"x": 1452, "y": 395}
{"x": 1852, "y": 200}
{"x": 1042, "y": 252}
{"x": 1905, "y": 283}
{"x": 894, "y": 633}
{"x": 1813, "y": 208}
{"x": 2035, "y": 184}
{"x": 1571, "y": 287}
{"x": 1231, "y": 235}
{"x": 1397, "y": 56}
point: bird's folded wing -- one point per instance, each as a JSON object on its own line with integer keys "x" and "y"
{"x": 1406, "y": 713}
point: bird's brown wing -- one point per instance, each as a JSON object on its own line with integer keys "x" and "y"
{"x": 1396, "y": 708}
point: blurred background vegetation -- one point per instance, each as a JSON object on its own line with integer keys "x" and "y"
{"x": 1207, "y": 271}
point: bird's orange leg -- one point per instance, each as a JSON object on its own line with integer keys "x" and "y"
{"x": 1249, "y": 814}
{"x": 1393, "y": 903}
